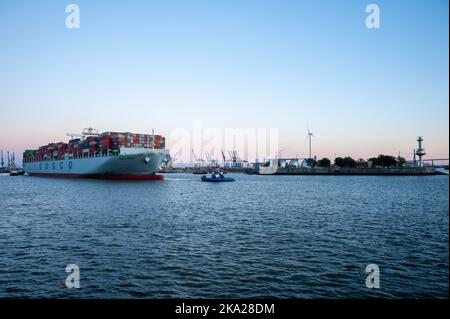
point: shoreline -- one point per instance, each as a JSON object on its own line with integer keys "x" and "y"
{"x": 405, "y": 171}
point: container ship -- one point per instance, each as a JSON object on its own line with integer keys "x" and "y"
{"x": 109, "y": 155}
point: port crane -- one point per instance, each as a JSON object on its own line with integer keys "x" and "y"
{"x": 236, "y": 157}
{"x": 233, "y": 161}
{"x": 11, "y": 160}
{"x": 233, "y": 156}
{"x": 89, "y": 131}
{"x": 210, "y": 159}
{"x": 196, "y": 159}
{"x": 223, "y": 156}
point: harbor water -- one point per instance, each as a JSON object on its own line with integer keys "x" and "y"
{"x": 261, "y": 236}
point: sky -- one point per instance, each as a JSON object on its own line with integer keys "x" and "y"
{"x": 289, "y": 65}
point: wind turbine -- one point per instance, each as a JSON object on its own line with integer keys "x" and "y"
{"x": 309, "y": 136}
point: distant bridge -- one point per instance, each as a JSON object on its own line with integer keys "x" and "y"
{"x": 432, "y": 160}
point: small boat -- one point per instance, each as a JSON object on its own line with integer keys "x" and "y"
{"x": 17, "y": 173}
{"x": 198, "y": 172}
{"x": 216, "y": 177}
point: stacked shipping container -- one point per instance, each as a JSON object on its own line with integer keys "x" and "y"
{"x": 108, "y": 142}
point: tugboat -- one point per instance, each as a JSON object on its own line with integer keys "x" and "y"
{"x": 216, "y": 177}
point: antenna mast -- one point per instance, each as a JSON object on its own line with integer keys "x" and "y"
{"x": 420, "y": 151}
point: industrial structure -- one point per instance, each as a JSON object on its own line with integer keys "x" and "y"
{"x": 420, "y": 152}
{"x": 10, "y": 162}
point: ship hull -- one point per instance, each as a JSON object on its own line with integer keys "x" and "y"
{"x": 141, "y": 166}
{"x": 141, "y": 177}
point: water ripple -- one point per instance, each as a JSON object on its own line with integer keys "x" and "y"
{"x": 279, "y": 236}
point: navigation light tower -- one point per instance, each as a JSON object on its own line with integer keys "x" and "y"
{"x": 420, "y": 150}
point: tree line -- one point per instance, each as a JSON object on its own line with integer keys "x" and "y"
{"x": 348, "y": 162}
